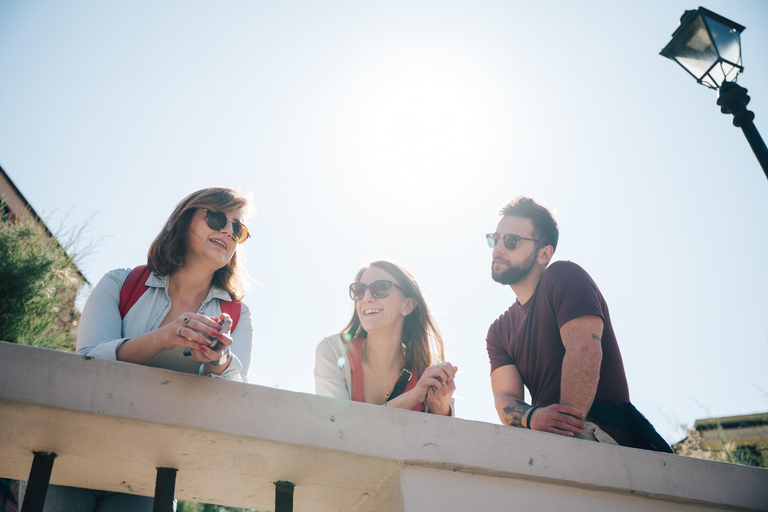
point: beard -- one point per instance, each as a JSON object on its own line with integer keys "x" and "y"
{"x": 513, "y": 275}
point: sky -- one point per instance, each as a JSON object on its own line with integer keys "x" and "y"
{"x": 396, "y": 130}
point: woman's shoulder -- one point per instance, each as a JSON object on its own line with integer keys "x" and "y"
{"x": 114, "y": 278}
{"x": 111, "y": 283}
{"x": 120, "y": 274}
{"x": 332, "y": 343}
{"x": 332, "y": 340}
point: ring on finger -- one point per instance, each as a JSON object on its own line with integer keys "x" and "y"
{"x": 178, "y": 332}
{"x": 185, "y": 320}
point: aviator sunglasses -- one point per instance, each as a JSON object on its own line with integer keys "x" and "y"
{"x": 510, "y": 241}
{"x": 379, "y": 289}
{"x": 218, "y": 221}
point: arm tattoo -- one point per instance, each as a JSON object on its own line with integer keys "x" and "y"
{"x": 515, "y": 412}
{"x": 595, "y": 337}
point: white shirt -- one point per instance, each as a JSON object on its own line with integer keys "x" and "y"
{"x": 102, "y": 331}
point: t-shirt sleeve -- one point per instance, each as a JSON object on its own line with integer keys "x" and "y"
{"x": 572, "y": 293}
{"x": 498, "y": 353}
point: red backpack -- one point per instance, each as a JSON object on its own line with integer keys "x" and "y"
{"x": 135, "y": 286}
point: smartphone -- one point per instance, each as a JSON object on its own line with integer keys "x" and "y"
{"x": 224, "y": 326}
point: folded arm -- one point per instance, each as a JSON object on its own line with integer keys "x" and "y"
{"x": 508, "y": 393}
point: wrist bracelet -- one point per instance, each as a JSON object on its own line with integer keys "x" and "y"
{"x": 530, "y": 415}
{"x": 223, "y": 359}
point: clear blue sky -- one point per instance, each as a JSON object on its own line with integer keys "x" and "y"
{"x": 396, "y": 130}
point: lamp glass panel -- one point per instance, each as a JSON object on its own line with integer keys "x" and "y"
{"x": 729, "y": 71}
{"x": 717, "y": 74}
{"x": 727, "y": 40}
{"x": 709, "y": 82}
{"x": 693, "y": 48}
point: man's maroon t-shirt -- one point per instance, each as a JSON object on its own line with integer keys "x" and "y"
{"x": 528, "y": 336}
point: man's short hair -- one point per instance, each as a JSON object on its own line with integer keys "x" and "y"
{"x": 544, "y": 224}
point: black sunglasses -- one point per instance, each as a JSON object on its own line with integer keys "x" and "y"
{"x": 218, "y": 221}
{"x": 510, "y": 241}
{"x": 379, "y": 289}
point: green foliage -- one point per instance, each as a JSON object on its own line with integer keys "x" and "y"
{"x": 38, "y": 285}
{"x": 726, "y": 451}
{"x": 189, "y": 506}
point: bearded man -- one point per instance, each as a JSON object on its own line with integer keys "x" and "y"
{"x": 557, "y": 340}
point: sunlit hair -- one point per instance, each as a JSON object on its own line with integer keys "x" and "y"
{"x": 423, "y": 343}
{"x": 544, "y": 224}
{"x": 168, "y": 252}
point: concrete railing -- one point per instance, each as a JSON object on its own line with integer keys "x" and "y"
{"x": 112, "y": 424}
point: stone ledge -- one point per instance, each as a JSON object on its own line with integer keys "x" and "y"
{"x": 112, "y": 423}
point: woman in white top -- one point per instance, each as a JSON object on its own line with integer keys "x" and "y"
{"x": 391, "y": 352}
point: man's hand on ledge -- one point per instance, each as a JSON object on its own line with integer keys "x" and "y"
{"x": 558, "y": 419}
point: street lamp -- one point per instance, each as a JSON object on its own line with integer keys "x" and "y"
{"x": 708, "y": 47}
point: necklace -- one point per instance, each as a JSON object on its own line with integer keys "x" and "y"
{"x": 387, "y": 394}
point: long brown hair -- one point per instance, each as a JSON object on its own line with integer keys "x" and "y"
{"x": 422, "y": 339}
{"x": 168, "y": 252}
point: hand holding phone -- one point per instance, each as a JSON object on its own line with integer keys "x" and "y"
{"x": 223, "y": 327}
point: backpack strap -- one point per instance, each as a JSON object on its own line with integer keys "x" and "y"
{"x": 133, "y": 288}
{"x": 405, "y": 376}
{"x": 233, "y": 309}
{"x": 355, "y": 357}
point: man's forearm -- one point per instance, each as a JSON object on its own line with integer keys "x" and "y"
{"x": 512, "y": 411}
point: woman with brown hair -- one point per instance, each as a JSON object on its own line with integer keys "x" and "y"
{"x": 391, "y": 352}
{"x": 162, "y": 314}
{"x": 168, "y": 313}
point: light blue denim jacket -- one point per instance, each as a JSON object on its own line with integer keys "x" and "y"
{"x": 102, "y": 331}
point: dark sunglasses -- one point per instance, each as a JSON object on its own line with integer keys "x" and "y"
{"x": 510, "y": 241}
{"x": 379, "y": 289}
{"x": 218, "y": 221}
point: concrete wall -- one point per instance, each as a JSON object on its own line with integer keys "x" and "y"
{"x": 113, "y": 423}
{"x": 468, "y": 492}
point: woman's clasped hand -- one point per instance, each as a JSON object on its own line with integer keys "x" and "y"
{"x": 437, "y": 385}
{"x": 197, "y": 333}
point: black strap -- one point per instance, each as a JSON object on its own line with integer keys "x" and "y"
{"x": 405, "y": 376}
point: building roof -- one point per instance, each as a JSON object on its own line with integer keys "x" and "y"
{"x": 726, "y": 422}
{"x": 20, "y": 207}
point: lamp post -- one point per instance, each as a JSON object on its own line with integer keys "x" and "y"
{"x": 708, "y": 47}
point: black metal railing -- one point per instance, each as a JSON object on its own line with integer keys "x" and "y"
{"x": 165, "y": 486}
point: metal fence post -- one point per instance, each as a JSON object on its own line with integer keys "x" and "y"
{"x": 284, "y": 496}
{"x": 165, "y": 485}
{"x": 37, "y": 486}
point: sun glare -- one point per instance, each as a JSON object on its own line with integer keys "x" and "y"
{"x": 418, "y": 125}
